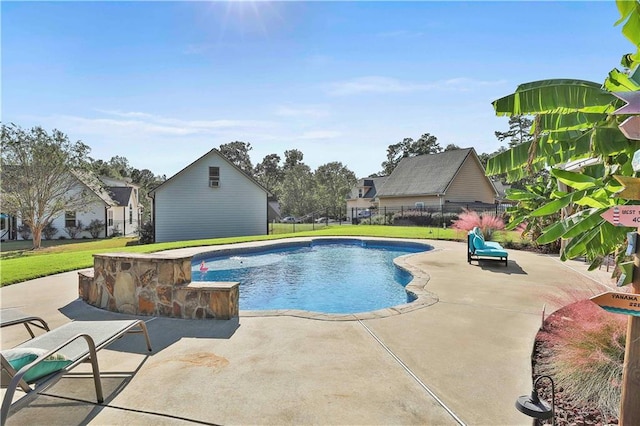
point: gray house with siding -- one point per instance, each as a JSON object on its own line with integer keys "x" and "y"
{"x": 210, "y": 198}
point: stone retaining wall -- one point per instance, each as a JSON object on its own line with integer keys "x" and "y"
{"x": 155, "y": 284}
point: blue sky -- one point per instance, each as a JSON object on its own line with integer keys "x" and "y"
{"x": 161, "y": 83}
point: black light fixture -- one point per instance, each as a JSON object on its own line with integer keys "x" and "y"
{"x": 532, "y": 406}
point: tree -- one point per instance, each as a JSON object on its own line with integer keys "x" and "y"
{"x": 395, "y": 153}
{"x": 147, "y": 181}
{"x": 519, "y": 131}
{"x": 292, "y": 158}
{"x": 574, "y": 125}
{"x": 238, "y": 153}
{"x": 333, "y": 183}
{"x": 297, "y": 191}
{"x": 451, "y": 147}
{"x": 39, "y": 172}
{"x": 117, "y": 167}
{"x": 427, "y": 144}
{"x": 269, "y": 173}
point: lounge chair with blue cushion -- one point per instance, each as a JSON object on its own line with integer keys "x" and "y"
{"x": 40, "y": 362}
{"x": 477, "y": 247}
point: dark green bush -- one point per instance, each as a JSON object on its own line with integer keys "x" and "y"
{"x": 49, "y": 231}
{"x": 145, "y": 233}
{"x": 423, "y": 218}
{"x": 95, "y": 227}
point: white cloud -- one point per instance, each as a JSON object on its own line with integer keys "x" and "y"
{"x": 140, "y": 122}
{"x": 377, "y": 84}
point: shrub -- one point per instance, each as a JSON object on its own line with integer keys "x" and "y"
{"x": 74, "y": 231}
{"x": 487, "y": 223}
{"x": 587, "y": 353}
{"x": 24, "y": 231}
{"x": 49, "y": 231}
{"x": 145, "y": 233}
{"x": 95, "y": 227}
{"x": 378, "y": 219}
{"x": 419, "y": 217}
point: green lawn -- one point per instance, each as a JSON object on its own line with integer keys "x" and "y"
{"x": 18, "y": 263}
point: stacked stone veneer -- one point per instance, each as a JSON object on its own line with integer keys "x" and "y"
{"x": 159, "y": 285}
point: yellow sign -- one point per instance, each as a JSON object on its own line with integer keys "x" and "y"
{"x": 631, "y": 189}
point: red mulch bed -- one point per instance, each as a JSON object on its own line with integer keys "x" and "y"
{"x": 567, "y": 411}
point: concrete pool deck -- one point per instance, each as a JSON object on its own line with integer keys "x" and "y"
{"x": 464, "y": 359}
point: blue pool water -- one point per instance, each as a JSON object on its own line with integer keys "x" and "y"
{"x": 334, "y": 276}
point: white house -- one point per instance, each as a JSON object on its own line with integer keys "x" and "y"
{"x": 114, "y": 205}
{"x": 210, "y": 198}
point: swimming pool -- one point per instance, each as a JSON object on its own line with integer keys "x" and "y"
{"x": 339, "y": 276}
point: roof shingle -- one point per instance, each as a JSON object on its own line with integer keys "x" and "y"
{"x": 427, "y": 174}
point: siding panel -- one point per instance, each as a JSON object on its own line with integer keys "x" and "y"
{"x": 470, "y": 184}
{"x": 187, "y": 208}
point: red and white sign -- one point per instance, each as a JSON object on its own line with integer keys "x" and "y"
{"x": 630, "y": 128}
{"x": 623, "y": 216}
{"x": 633, "y": 102}
{"x": 619, "y": 303}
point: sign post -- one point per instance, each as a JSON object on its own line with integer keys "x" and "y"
{"x": 629, "y": 406}
{"x": 628, "y": 303}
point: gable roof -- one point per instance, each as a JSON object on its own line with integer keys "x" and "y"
{"x": 120, "y": 194}
{"x": 373, "y": 184}
{"x": 89, "y": 180}
{"x": 152, "y": 193}
{"x": 428, "y": 174}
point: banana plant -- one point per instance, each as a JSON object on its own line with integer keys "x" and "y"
{"x": 573, "y": 122}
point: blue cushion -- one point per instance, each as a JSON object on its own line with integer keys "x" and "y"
{"x": 478, "y": 242}
{"x": 491, "y": 252}
{"x": 493, "y": 245}
{"x": 19, "y": 357}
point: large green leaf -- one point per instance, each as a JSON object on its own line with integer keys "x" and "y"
{"x": 555, "y": 96}
{"x": 607, "y": 141}
{"x": 570, "y": 121}
{"x": 552, "y": 232}
{"x": 630, "y": 12}
{"x": 578, "y": 246}
{"x": 513, "y": 159}
{"x": 598, "y": 199}
{"x": 618, "y": 81}
{"x": 574, "y": 180}
{"x": 556, "y": 205}
{"x": 516, "y": 194}
{"x": 588, "y": 220}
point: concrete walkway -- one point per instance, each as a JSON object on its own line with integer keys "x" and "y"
{"x": 461, "y": 360}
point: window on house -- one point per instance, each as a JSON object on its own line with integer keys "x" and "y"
{"x": 110, "y": 218}
{"x": 360, "y": 193}
{"x": 214, "y": 177}
{"x": 130, "y": 214}
{"x": 419, "y": 205}
{"x": 70, "y": 219}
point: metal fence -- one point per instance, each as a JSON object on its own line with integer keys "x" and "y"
{"x": 438, "y": 216}
{"x": 428, "y": 216}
